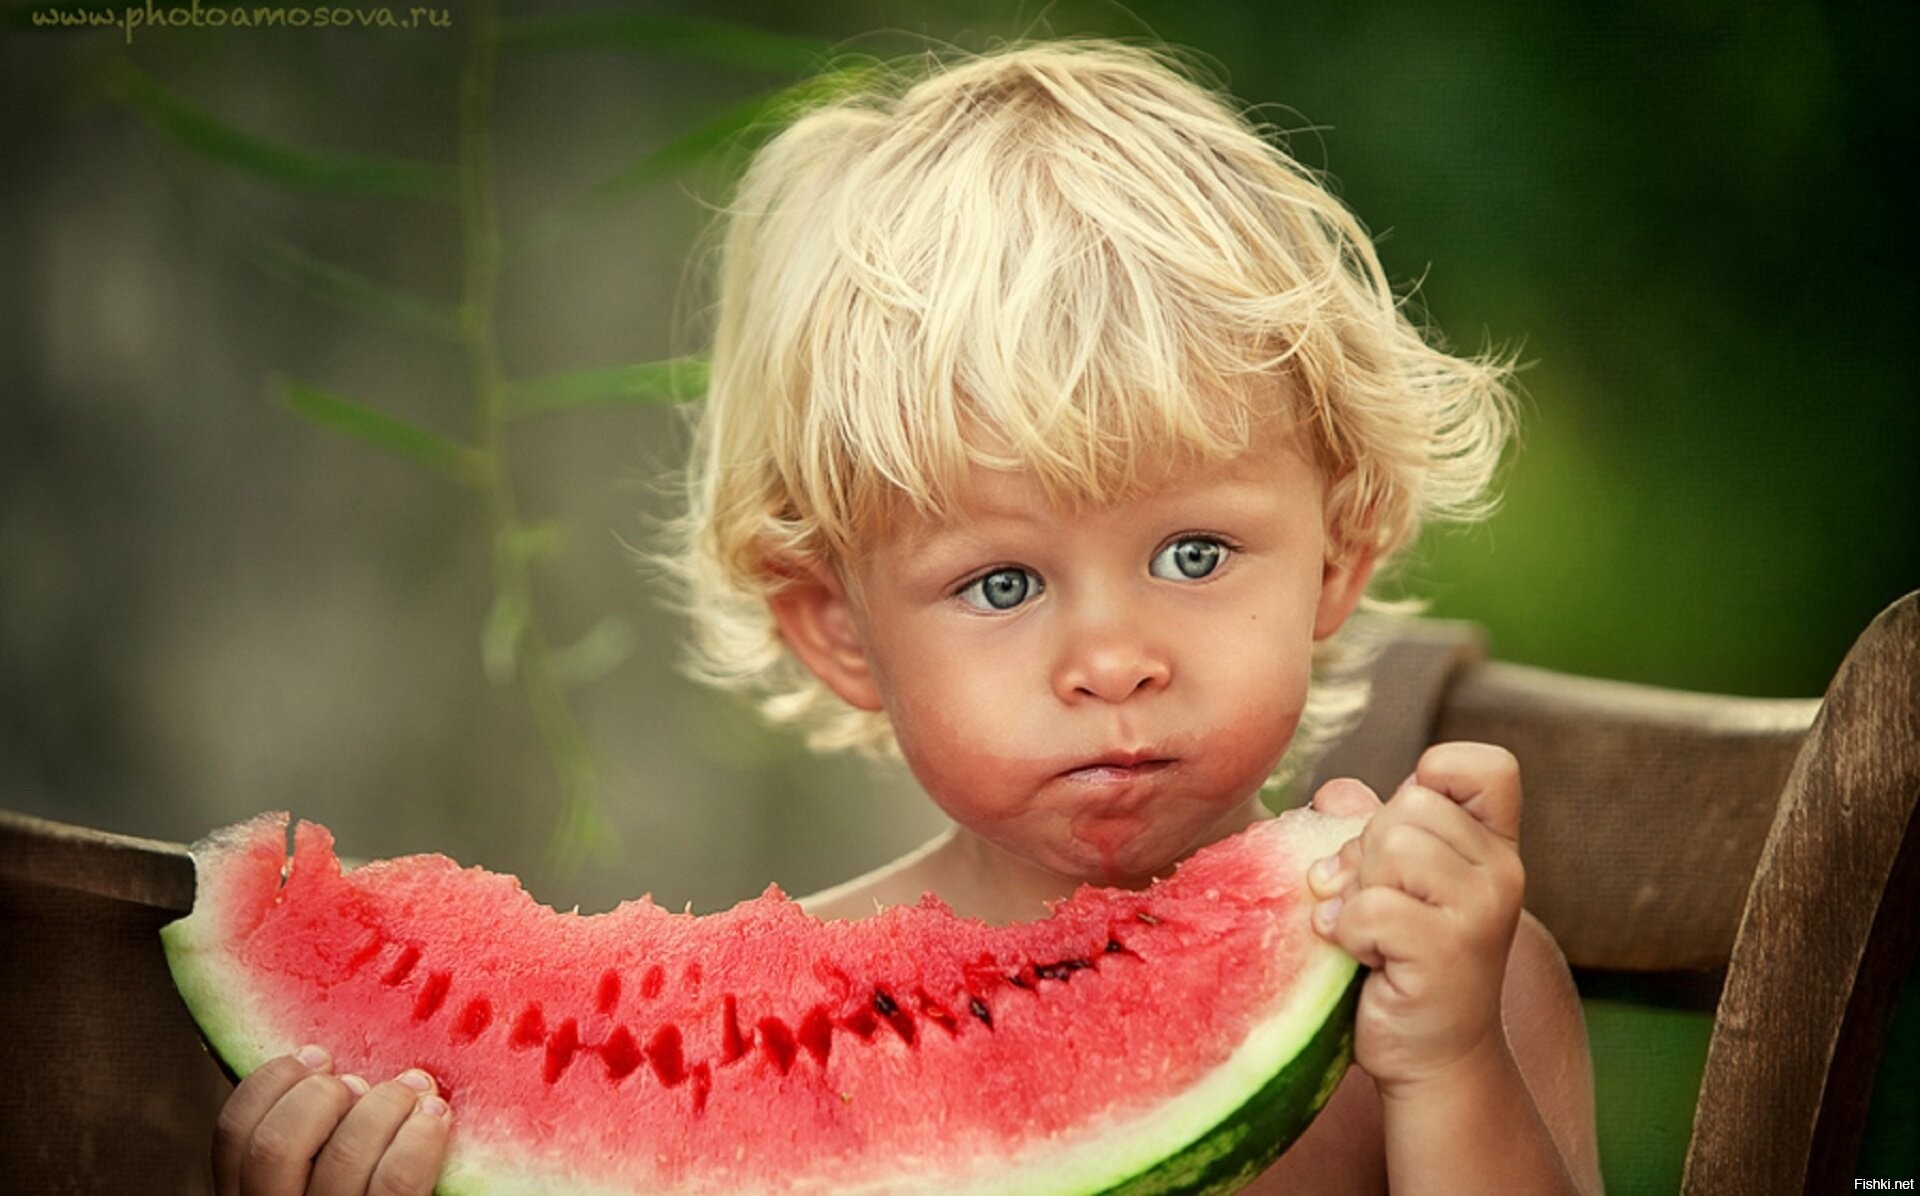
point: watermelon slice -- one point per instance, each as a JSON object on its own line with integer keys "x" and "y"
{"x": 1172, "y": 1039}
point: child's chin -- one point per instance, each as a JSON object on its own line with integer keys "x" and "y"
{"x": 1127, "y": 870}
{"x": 1129, "y": 853}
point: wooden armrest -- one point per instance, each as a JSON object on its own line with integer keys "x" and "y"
{"x": 1828, "y": 933}
{"x": 108, "y": 1087}
{"x": 1645, "y": 807}
{"x": 53, "y": 855}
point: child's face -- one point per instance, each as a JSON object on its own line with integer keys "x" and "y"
{"x": 1098, "y": 691}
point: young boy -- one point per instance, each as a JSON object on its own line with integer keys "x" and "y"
{"x": 1058, "y": 423}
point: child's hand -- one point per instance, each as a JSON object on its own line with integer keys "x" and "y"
{"x": 1428, "y": 896}
{"x": 292, "y": 1126}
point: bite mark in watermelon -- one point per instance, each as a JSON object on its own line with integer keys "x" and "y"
{"x": 1173, "y": 1039}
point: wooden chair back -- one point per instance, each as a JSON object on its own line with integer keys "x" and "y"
{"x": 1665, "y": 833}
{"x": 1764, "y": 848}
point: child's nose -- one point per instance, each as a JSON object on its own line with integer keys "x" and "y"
{"x": 1110, "y": 663}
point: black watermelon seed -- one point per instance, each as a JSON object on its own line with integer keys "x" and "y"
{"x": 978, "y": 1008}
{"x": 1062, "y": 971}
{"x": 883, "y": 1003}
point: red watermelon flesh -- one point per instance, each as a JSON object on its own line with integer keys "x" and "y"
{"x": 760, "y": 1049}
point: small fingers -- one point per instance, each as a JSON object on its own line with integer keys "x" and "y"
{"x": 1379, "y": 926}
{"x": 1346, "y": 797}
{"x": 249, "y": 1105}
{"x": 412, "y": 1162}
{"x": 278, "y": 1158}
{"x": 1342, "y": 797}
{"x": 1425, "y": 848}
{"x": 1415, "y": 822}
{"x": 350, "y": 1158}
{"x": 1482, "y": 778}
{"x": 1411, "y": 857}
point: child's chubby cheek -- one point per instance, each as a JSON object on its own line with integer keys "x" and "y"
{"x": 1078, "y": 806}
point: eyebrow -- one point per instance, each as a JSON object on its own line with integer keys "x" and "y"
{"x": 1230, "y": 497}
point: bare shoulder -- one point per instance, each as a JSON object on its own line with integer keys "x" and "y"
{"x": 1547, "y": 1032}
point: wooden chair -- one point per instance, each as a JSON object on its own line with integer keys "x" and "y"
{"x": 1666, "y": 834}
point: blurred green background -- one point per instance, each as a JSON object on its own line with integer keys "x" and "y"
{"x": 1691, "y": 218}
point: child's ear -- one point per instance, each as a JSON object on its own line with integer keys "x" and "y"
{"x": 816, "y": 620}
{"x": 1342, "y": 581}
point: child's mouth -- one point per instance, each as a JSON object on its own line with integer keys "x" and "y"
{"x": 1117, "y": 769}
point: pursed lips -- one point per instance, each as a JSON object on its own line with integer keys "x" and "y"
{"x": 1118, "y": 766}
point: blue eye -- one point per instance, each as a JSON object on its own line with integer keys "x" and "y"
{"x": 1188, "y": 559}
{"x": 1002, "y": 589}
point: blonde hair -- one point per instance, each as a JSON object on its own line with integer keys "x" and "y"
{"x": 1061, "y": 257}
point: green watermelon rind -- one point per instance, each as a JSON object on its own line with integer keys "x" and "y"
{"x": 1249, "y": 1140}
{"x": 1213, "y": 1138}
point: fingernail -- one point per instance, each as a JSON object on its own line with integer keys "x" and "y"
{"x": 1326, "y": 914}
{"x": 417, "y": 1080}
{"x": 432, "y": 1106}
{"x": 355, "y": 1085}
{"x": 1323, "y": 871}
{"x": 315, "y": 1058}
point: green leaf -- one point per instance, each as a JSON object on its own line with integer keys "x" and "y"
{"x": 507, "y": 624}
{"x": 352, "y": 291}
{"x": 375, "y": 427}
{"x": 743, "y": 123}
{"x": 682, "y": 37}
{"x": 293, "y": 166}
{"x": 671, "y": 381}
{"x": 597, "y": 653}
{"x": 739, "y": 126}
{"x": 526, "y": 543}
